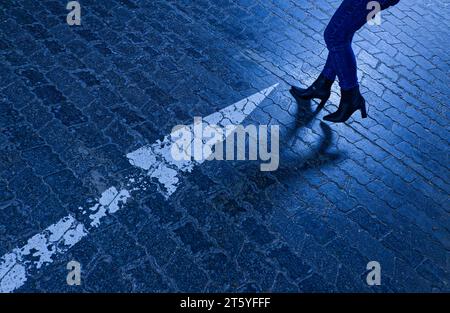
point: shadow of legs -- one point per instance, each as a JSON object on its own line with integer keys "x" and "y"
{"x": 305, "y": 113}
{"x": 320, "y": 155}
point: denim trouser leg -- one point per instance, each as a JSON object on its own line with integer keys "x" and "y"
{"x": 349, "y": 17}
{"x": 328, "y": 70}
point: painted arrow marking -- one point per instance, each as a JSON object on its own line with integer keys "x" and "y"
{"x": 155, "y": 159}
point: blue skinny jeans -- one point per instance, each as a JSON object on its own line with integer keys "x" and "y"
{"x": 341, "y": 62}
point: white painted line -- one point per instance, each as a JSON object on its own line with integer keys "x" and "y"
{"x": 155, "y": 159}
{"x": 55, "y": 240}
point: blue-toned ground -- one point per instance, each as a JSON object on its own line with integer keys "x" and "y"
{"x": 74, "y": 100}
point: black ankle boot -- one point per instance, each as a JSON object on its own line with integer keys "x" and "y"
{"x": 351, "y": 101}
{"x": 320, "y": 89}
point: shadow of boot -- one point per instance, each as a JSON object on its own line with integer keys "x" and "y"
{"x": 303, "y": 118}
{"x": 326, "y": 143}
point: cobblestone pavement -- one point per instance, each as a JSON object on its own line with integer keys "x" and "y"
{"x": 76, "y": 99}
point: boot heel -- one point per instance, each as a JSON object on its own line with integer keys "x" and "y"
{"x": 363, "y": 110}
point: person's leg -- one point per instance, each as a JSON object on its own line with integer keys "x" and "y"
{"x": 341, "y": 61}
{"x": 344, "y": 62}
{"x": 349, "y": 17}
{"x": 328, "y": 70}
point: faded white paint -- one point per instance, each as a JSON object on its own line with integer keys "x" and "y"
{"x": 155, "y": 159}
{"x": 57, "y": 239}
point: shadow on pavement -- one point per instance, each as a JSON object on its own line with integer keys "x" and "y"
{"x": 316, "y": 156}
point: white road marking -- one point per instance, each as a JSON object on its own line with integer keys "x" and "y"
{"x": 155, "y": 159}
{"x": 55, "y": 240}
